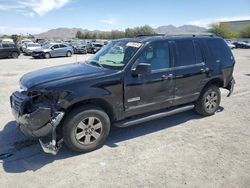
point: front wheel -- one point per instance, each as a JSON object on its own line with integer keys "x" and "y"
{"x": 86, "y": 129}
{"x": 14, "y": 55}
{"x": 68, "y": 54}
{"x": 47, "y": 55}
{"x": 209, "y": 101}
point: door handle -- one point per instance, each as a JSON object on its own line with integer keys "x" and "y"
{"x": 166, "y": 77}
{"x": 205, "y": 70}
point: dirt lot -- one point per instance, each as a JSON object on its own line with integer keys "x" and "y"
{"x": 185, "y": 150}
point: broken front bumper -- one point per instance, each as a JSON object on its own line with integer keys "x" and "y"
{"x": 34, "y": 124}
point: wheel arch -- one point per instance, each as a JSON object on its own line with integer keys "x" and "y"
{"x": 219, "y": 82}
{"x": 101, "y": 103}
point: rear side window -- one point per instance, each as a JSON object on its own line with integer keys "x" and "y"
{"x": 185, "y": 53}
{"x": 198, "y": 54}
{"x": 62, "y": 46}
{"x": 219, "y": 49}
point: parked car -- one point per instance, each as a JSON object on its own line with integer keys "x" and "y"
{"x": 30, "y": 47}
{"x": 154, "y": 77}
{"x": 242, "y": 45}
{"x": 230, "y": 45}
{"x": 9, "y": 50}
{"x": 53, "y": 50}
{"x": 21, "y": 44}
{"x": 80, "y": 47}
{"x": 94, "y": 47}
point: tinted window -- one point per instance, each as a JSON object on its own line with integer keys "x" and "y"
{"x": 155, "y": 54}
{"x": 56, "y": 46}
{"x": 219, "y": 49}
{"x": 12, "y": 45}
{"x": 185, "y": 53}
{"x": 62, "y": 46}
{"x": 198, "y": 53}
{"x": 5, "y": 45}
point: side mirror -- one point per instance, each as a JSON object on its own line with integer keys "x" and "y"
{"x": 142, "y": 69}
{"x": 52, "y": 48}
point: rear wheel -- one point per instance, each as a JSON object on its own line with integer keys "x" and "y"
{"x": 47, "y": 56}
{"x": 14, "y": 55}
{"x": 86, "y": 129}
{"x": 209, "y": 101}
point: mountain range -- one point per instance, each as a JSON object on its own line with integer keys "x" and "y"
{"x": 67, "y": 33}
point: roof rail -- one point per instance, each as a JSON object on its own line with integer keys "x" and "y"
{"x": 192, "y": 35}
{"x": 151, "y": 35}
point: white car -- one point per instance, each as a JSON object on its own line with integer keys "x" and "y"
{"x": 30, "y": 47}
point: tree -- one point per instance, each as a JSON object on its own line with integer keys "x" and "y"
{"x": 220, "y": 30}
{"x": 245, "y": 33}
{"x": 79, "y": 34}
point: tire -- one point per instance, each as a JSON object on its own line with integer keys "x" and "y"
{"x": 86, "y": 129}
{"x": 14, "y": 55}
{"x": 47, "y": 55}
{"x": 68, "y": 54}
{"x": 209, "y": 101}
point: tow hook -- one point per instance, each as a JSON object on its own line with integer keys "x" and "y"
{"x": 53, "y": 146}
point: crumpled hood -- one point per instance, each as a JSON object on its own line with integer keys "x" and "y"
{"x": 60, "y": 72}
{"x": 42, "y": 50}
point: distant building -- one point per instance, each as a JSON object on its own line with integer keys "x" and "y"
{"x": 236, "y": 26}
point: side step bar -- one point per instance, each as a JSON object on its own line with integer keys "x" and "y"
{"x": 127, "y": 123}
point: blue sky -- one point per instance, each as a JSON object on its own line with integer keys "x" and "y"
{"x": 35, "y": 16}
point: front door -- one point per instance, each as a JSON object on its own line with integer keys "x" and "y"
{"x": 154, "y": 91}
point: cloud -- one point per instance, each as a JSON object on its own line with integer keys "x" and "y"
{"x": 207, "y": 22}
{"x": 41, "y": 7}
{"x": 23, "y": 30}
{"x": 29, "y": 14}
{"x": 10, "y": 7}
{"x": 111, "y": 20}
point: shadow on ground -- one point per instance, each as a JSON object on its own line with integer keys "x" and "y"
{"x": 27, "y": 155}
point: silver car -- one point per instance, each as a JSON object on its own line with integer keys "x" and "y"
{"x": 53, "y": 50}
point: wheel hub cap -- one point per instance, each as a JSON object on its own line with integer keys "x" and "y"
{"x": 88, "y": 130}
{"x": 211, "y": 101}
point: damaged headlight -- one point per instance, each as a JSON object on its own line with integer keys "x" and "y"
{"x": 23, "y": 88}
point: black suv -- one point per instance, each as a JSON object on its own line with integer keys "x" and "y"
{"x": 148, "y": 78}
{"x": 9, "y": 50}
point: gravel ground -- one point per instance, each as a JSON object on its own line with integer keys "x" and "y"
{"x": 184, "y": 150}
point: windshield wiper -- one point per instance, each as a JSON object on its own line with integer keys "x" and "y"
{"x": 93, "y": 62}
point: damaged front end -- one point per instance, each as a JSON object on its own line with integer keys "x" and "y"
{"x": 38, "y": 116}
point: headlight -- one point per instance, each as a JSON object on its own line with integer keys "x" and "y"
{"x": 23, "y": 88}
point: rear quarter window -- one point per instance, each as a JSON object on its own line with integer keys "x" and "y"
{"x": 220, "y": 50}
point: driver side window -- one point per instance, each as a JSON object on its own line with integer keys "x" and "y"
{"x": 155, "y": 54}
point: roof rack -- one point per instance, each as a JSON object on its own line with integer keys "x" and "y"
{"x": 192, "y": 35}
{"x": 151, "y": 35}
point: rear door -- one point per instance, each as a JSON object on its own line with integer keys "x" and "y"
{"x": 190, "y": 69}
{"x": 63, "y": 49}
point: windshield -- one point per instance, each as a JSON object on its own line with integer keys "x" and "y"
{"x": 47, "y": 46}
{"x": 116, "y": 54}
